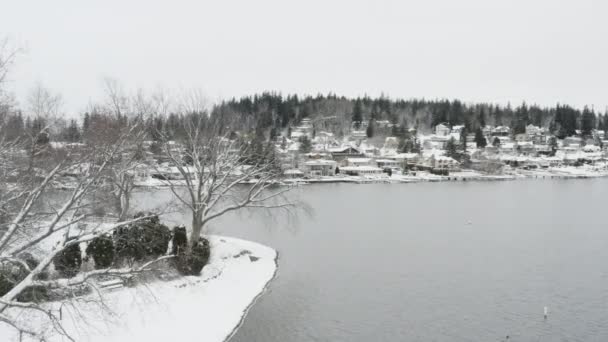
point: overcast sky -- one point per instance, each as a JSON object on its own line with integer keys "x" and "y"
{"x": 540, "y": 51}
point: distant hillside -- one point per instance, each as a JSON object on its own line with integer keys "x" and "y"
{"x": 273, "y": 110}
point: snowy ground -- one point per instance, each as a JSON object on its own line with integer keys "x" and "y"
{"x": 207, "y": 308}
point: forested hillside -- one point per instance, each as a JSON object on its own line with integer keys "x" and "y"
{"x": 270, "y": 114}
{"x": 271, "y": 110}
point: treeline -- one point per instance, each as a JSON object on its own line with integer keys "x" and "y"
{"x": 272, "y": 110}
{"x": 267, "y": 115}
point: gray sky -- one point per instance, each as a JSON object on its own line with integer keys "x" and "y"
{"x": 541, "y": 51}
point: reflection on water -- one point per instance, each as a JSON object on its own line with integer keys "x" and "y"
{"x": 434, "y": 262}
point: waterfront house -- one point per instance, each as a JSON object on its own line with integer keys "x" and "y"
{"x": 388, "y": 164}
{"x": 320, "y": 167}
{"x": 443, "y": 163}
{"x": 361, "y": 170}
{"x": 360, "y": 162}
{"x": 293, "y": 173}
{"x": 405, "y": 160}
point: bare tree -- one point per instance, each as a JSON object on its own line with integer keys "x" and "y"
{"x": 31, "y": 223}
{"x": 116, "y": 99}
{"x": 219, "y": 175}
{"x": 42, "y": 102}
{"x": 8, "y": 54}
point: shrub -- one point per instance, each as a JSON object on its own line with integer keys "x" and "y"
{"x": 102, "y": 251}
{"x": 32, "y": 263}
{"x": 11, "y": 275}
{"x": 180, "y": 239}
{"x": 34, "y": 294}
{"x": 68, "y": 261}
{"x": 191, "y": 262}
{"x": 145, "y": 238}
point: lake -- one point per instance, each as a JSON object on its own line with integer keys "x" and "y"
{"x": 453, "y": 261}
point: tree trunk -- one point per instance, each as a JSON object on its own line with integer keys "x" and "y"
{"x": 124, "y": 206}
{"x": 197, "y": 228}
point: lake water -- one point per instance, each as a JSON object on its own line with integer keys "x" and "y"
{"x": 455, "y": 261}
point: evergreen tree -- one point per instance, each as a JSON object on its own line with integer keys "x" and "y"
{"x": 463, "y": 139}
{"x": 553, "y": 144}
{"x": 496, "y": 142}
{"x": 72, "y": 132}
{"x": 371, "y": 129}
{"x": 587, "y": 122}
{"x": 521, "y": 119}
{"x": 357, "y": 116}
{"x": 305, "y": 144}
{"x": 480, "y": 140}
{"x": 15, "y": 127}
{"x": 86, "y": 122}
{"x": 451, "y": 149}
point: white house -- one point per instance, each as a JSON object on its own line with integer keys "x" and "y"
{"x": 442, "y": 130}
{"x": 360, "y": 162}
{"x": 388, "y": 163}
{"x": 457, "y": 129}
{"x": 320, "y": 167}
{"x": 361, "y": 170}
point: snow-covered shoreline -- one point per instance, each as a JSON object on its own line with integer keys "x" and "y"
{"x": 210, "y": 307}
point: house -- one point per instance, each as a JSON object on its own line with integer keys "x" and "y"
{"x": 533, "y": 131}
{"x": 360, "y": 162}
{"x": 293, "y": 173}
{"x": 591, "y": 148}
{"x": 525, "y": 147}
{"x": 361, "y": 170}
{"x": 391, "y": 143}
{"x": 501, "y": 131}
{"x": 487, "y": 130}
{"x": 442, "y": 130}
{"x": 325, "y": 139}
{"x": 341, "y": 153}
{"x": 457, "y": 129}
{"x": 543, "y": 149}
{"x": 507, "y": 148}
{"x": 436, "y": 142}
{"x": 358, "y": 135}
{"x": 383, "y": 123}
{"x": 405, "y": 159}
{"x": 320, "y": 167}
{"x": 388, "y": 163}
{"x": 443, "y": 163}
{"x": 573, "y": 141}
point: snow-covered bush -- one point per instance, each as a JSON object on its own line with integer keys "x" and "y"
{"x": 102, "y": 251}
{"x": 137, "y": 241}
{"x": 67, "y": 262}
{"x": 191, "y": 262}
